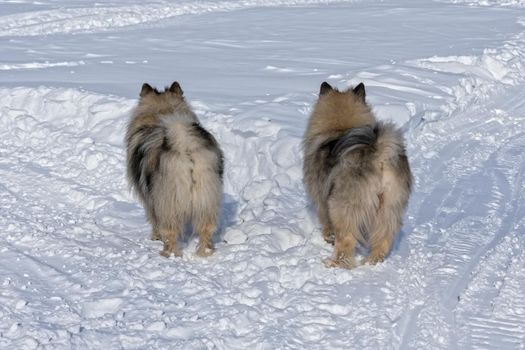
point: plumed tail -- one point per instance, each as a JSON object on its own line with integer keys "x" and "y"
{"x": 353, "y": 139}
{"x": 145, "y": 146}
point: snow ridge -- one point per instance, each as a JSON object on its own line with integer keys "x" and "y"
{"x": 40, "y": 65}
{"x": 97, "y": 19}
{"x": 503, "y": 3}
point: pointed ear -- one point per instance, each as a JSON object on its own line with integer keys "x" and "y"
{"x": 325, "y": 88}
{"x": 359, "y": 90}
{"x": 146, "y": 89}
{"x": 176, "y": 89}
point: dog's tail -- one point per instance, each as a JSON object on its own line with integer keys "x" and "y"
{"x": 145, "y": 147}
{"x": 354, "y": 139}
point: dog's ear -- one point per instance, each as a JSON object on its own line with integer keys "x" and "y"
{"x": 359, "y": 91}
{"x": 146, "y": 89}
{"x": 176, "y": 89}
{"x": 325, "y": 88}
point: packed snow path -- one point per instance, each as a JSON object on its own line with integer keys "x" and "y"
{"x": 77, "y": 268}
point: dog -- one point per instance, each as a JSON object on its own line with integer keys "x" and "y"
{"x": 357, "y": 174}
{"x": 175, "y": 167}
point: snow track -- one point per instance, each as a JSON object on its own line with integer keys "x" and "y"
{"x": 96, "y": 19}
{"x": 517, "y": 3}
{"x": 77, "y": 267}
{"x": 474, "y": 212}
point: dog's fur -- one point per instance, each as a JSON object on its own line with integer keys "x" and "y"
{"x": 357, "y": 174}
{"x": 175, "y": 167}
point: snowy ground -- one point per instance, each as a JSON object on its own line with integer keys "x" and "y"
{"x": 77, "y": 269}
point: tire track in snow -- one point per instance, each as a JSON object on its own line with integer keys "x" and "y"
{"x": 97, "y": 19}
{"x": 499, "y": 277}
{"x": 500, "y": 323}
{"x": 463, "y": 225}
{"x": 511, "y": 179}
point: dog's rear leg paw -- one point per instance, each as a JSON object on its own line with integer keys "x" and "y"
{"x": 346, "y": 263}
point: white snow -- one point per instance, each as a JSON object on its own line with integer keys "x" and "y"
{"x": 77, "y": 268}
{"x": 39, "y": 65}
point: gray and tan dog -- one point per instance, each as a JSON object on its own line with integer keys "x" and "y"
{"x": 175, "y": 167}
{"x": 357, "y": 174}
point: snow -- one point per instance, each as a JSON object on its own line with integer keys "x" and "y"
{"x": 77, "y": 268}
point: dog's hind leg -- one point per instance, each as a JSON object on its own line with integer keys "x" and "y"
{"x": 169, "y": 237}
{"x": 388, "y": 222}
{"x": 324, "y": 219}
{"x": 205, "y": 226}
{"x": 155, "y": 233}
{"x": 346, "y": 233}
{"x": 343, "y": 255}
{"x": 379, "y": 251}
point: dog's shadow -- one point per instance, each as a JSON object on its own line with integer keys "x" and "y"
{"x": 400, "y": 244}
{"x": 228, "y": 215}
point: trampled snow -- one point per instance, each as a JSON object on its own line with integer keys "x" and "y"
{"x": 77, "y": 268}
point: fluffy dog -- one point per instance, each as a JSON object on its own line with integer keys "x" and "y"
{"x": 175, "y": 167}
{"x": 357, "y": 174}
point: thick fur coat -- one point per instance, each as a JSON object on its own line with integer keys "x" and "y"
{"x": 175, "y": 167}
{"x": 357, "y": 174}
